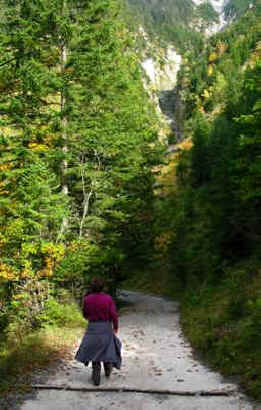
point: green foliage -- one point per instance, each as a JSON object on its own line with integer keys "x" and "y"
{"x": 207, "y": 12}
{"x": 164, "y": 11}
{"x": 213, "y": 217}
{"x": 28, "y": 298}
{"x": 169, "y": 21}
{"x": 78, "y": 140}
{"x": 217, "y": 205}
{"x": 61, "y": 315}
{"x": 37, "y": 350}
{"x": 212, "y": 78}
{"x": 224, "y": 321}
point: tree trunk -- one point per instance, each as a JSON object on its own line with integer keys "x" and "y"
{"x": 64, "y": 136}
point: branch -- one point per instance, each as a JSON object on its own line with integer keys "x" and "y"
{"x": 137, "y": 390}
{"x": 8, "y": 61}
{"x": 86, "y": 202}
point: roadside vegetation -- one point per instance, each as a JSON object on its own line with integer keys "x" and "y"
{"x": 209, "y": 215}
{"x": 23, "y": 354}
{"x": 223, "y": 321}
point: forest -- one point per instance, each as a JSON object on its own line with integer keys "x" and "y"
{"x": 78, "y": 142}
{"x": 209, "y": 215}
{"x": 86, "y": 187}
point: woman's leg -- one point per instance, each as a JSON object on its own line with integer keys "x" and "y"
{"x": 107, "y": 368}
{"x": 96, "y": 373}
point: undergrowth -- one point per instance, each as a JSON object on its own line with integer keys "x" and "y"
{"x": 156, "y": 279}
{"x": 61, "y": 327}
{"x": 223, "y": 321}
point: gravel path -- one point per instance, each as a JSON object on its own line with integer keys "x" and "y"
{"x": 155, "y": 358}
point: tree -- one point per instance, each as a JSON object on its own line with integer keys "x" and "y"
{"x": 79, "y": 140}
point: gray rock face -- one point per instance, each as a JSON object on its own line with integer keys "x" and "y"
{"x": 160, "y": 78}
{"x": 161, "y": 65}
{"x": 172, "y": 107}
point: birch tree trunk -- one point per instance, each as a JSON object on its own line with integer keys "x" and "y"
{"x": 64, "y": 136}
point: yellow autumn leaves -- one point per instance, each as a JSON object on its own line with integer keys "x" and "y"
{"x": 52, "y": 255}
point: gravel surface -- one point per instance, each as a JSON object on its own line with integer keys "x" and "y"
{"x": 156, "y": 357}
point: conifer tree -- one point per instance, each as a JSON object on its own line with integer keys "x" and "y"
{"x": 78, "y": 137}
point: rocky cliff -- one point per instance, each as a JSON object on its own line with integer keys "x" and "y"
{"x": 170, "y": 30}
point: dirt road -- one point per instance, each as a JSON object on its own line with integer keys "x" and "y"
{"x": 159, "y": 370}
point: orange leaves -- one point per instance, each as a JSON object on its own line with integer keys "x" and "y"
{"x": 5, "y": 166}
{"x": 210, "y": 69}
{"x": 47, "y": 271}
{"x": 166, "y": 178}
{"x": 3, "y": 191}
{"x": 162, "y": 242}
{"x": 212, "y": 57}
{"x": 55, "y": 251}
{"x": 221, "y": 47}
{"x": 256, "y": 55}
{"x": 38, "y": 147}
{"x": 186, "y": 144}
{"x": 7, "y": 273}
{"x": 53, "y": 255}
{"x": 27, "y": 272}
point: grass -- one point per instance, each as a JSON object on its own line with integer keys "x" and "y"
{"x": 20, "y": 357}
{"x": 37, "y": 351}
{"x": 224, "y": 323}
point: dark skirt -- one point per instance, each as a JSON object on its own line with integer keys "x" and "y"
{"x": 99, "y": 344}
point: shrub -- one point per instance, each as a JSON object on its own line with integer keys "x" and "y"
{"x": 61, "y": 314}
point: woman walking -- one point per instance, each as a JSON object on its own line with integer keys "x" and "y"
{"x": 100, "y": 343}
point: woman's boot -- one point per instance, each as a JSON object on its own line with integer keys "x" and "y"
{"x": 107, "y": 368}
{"x": 96, "y": 373}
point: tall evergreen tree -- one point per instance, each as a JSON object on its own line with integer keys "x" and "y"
{"x": 78, "y": 139}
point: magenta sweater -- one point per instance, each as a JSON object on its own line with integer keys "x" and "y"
{"x": 100, "y": 306}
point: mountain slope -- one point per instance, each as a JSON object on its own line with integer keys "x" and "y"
{"x": 180, "y": 22}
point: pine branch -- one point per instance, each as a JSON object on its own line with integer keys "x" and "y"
{"x": 7, "y": 62}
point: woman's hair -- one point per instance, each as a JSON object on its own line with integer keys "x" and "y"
{"x": 97, "y": 285}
